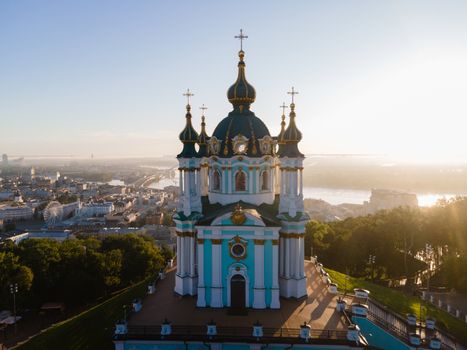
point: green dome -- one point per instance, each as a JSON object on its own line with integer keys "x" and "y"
{"x": 289, "y": 139}
{"x": 189, "y": 137}
{"x": 241, "y": 92}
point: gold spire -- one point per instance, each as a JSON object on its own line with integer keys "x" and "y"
{"x": 281, "y": 134}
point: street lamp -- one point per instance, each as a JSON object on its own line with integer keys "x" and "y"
{"x": 14, "y": 290}
{"x": 428, "y": 255}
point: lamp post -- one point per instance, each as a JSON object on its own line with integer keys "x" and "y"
{"x": 14, "y": 290}
{"x": 428, "y": 254}
{"x": 371, "y": 261}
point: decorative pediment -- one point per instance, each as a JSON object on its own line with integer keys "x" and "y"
{"x": 214, "y": 145}
{"x": 235, "y": 218}
{"x": 266, "y": 144}
{"x": 240, "y": 144}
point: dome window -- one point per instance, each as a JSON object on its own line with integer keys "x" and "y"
{"x": 240, "y": 181}
{"x": 216, "y": 180}
{"x": 265, "y": 181}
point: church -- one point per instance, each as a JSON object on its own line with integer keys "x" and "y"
{"x": 240, "y": 221}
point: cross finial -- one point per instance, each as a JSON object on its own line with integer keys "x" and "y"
{"x": 284, "y": 107}
{"x": 188, "y": 94}
{"x": 293, "y": 93}
{"x": 241, "y": 37}
{"x": 203, "y": 108}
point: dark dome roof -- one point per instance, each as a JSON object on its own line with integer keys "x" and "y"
{"x": 289, "y": 139}
{"x": 203, "y": 139}
{"x": 240, "y": 122}
{"x": 189, "y": 137}
{"x": 241, "y": 92}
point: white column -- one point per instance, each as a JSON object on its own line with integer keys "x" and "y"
{"x": 185, "y": 256}
{"x": 259, "y": 298}
{"x": 179, "y": 255}
{"x": 281, "y": 256}
{"x": 201, "y": 301}
{"x": 180, "y": 182}
{"x": 287, "y": 257}
{"x": 275, "y": 303}
{"x": 297, "y": 257}
{"x": 192, "y": 256}
{"x": 198, "y": 182}
{"x": 186, "y": 184}
{"x": 216, "y": 290}
{"x": 301, "y": 182}
{"x": 302, "y": 256}
{"x": 283, "y": 180}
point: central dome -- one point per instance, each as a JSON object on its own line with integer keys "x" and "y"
{"x": 240, "y": 124}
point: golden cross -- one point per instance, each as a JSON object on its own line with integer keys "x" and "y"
{"x": 284, "y": 107}
{"x": 188, "y": 94}
{"x": 293, "y": 92}
{"x": 203, "y": 108}
{"x": 241, "y": 37}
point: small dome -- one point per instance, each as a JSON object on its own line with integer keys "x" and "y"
{"x": 189, "y": 137}
{"x": 189, "y": 133}
{"x": 241, "y": 92}
{"x": 289, "y": 139}
{"x": 203, "y": 140}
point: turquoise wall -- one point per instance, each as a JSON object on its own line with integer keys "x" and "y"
{"x": 225, "y": 346}
{"x": 248, "y": 262}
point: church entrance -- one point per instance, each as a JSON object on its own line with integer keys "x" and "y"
{"x": 237, "y": 292}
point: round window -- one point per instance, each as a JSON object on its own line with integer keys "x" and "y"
{"x": 238, "y": 250}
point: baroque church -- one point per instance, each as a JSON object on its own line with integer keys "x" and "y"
{"x": 240, "y": 221}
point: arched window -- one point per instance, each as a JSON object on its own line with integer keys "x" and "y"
{"x": 216, "y": 180}
{"x": 265, "y": 181}
{"x": 240, "y": 181}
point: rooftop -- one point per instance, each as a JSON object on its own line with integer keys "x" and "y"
{"x": 318, "y": 309}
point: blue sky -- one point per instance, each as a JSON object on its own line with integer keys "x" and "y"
{"x": 107, "y": 77}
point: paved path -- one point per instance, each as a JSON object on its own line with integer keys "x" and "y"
{"x": 318, "y": 307}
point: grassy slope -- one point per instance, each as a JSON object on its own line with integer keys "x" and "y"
{"x": 92, "y": 329}
{"x": 403, "y": 304}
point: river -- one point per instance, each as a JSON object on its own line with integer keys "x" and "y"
{"x": 336, "y": 196}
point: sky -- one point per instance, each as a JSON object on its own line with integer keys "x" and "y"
{"x": 107, "y": 77}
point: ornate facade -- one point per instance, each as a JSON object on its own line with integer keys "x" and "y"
{"x": 240, "y": 220}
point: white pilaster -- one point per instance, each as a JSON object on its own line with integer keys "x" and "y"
{"x": 287, "y": 257}
{"x": 302, "y": 257}
{"x": 216, "y": 289}
{"x": 259, "y": 298}
{"x": 192, "y": 256}
{"x": 179, "y": 254}
{"x": 275, "y": 303}
{"x": 201, "y": 301}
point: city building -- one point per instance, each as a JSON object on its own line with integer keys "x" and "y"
{"x": 382, "y": 199}
{"x": 96, "y": 209}
{"x": 15, "y": 213}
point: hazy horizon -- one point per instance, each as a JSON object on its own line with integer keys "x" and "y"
{"x": 107, "y": 78}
